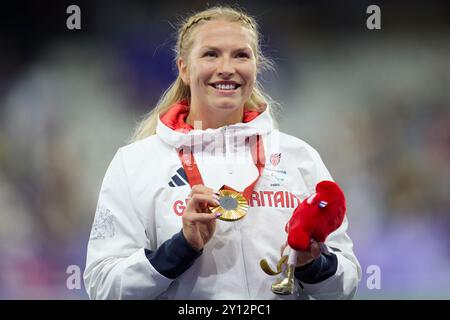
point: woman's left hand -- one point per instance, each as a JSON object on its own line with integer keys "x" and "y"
{"x": 305, "y": 257}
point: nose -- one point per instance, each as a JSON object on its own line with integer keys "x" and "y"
{"x": 226, "y": 68}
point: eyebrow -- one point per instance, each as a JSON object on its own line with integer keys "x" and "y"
{"x": 218, "y": 49}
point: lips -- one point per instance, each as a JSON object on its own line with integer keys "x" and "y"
{"x": 225, "y": 85}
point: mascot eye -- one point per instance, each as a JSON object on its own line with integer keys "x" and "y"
{"x": 311, "y": 198}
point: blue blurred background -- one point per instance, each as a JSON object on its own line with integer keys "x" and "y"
{"x": 375, "y": 104}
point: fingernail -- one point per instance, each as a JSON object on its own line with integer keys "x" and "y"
{"x": 218, "y": 214}
{"x": 215, "y": 196}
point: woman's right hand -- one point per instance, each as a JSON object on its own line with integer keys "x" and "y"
{"x": 199, "y": 223}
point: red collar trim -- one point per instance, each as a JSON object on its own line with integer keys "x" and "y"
{"x": 176, "y": 116}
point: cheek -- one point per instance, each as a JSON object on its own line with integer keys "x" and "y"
{"x": 249, "y": 74}
{"x": 201, "y": 72}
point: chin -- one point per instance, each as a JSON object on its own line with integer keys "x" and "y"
{"x": 226, "y": 106}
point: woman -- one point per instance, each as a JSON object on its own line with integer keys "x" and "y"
{"x": 155, "y": 235}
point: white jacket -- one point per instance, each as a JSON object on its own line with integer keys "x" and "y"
{"x": 141, "y": 202}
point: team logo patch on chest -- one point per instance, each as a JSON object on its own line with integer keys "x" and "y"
{"x": 275, "y": 159}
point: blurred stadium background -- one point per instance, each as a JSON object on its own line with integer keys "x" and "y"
{"x": 375, "y": 104}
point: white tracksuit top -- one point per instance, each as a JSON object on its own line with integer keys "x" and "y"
{"x": 141, "y": 202}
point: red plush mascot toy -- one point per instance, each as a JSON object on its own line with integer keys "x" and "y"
{"x": 314, "y": 218}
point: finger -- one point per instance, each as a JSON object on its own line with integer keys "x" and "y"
{"x": 199, "y": 217}
{"x": 201, "y": 189}
{"x": 197, "y": 200}
{"x": 315, "y": 249}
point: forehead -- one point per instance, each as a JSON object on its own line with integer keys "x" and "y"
{"x": 219, "y": 33}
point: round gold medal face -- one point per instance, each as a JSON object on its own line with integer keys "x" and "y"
{"x": 233, "y": 206}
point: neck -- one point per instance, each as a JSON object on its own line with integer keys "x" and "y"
{"x": 213, "y": 120}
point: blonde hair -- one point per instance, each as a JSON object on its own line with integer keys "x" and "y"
{"x": 177, "y": 91}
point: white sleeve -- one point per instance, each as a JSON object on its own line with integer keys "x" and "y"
{"x": 343, "y": 284}
{"x": 116, "y": 264}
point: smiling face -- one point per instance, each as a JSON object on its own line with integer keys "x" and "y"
{"x": 220, "y": 68}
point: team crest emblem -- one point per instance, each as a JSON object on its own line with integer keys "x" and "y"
{"x": 275, "y": 159}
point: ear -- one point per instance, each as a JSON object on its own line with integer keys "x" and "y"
{"x": 183, "y": 71}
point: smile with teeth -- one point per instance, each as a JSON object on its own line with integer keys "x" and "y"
{"x": 228, "y": 86}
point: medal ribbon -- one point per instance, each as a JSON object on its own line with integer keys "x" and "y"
{"x": 194, "y": 177}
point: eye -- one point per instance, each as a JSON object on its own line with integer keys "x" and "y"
{"x": 242, "y": 55}
{"x": 210, "y": 54}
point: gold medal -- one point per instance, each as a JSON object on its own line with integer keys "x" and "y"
{"x": 233, "y": 205}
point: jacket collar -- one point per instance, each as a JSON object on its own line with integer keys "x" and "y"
{"x": 173, "y": 129}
